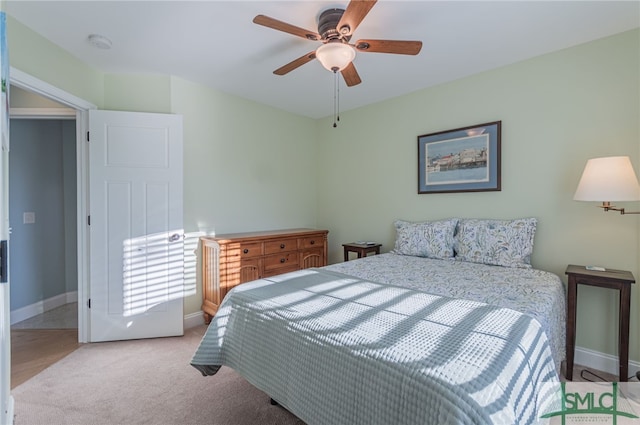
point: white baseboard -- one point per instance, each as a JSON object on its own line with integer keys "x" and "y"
{"x": 602, "y": 361}
{"x": 40, "y": 307}
{"x": 194, "y": 319}
{"x": 72, "y": 297}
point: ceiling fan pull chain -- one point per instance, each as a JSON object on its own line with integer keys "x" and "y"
{"x": 335, "y": 98}
{"x": 337, "y": 83}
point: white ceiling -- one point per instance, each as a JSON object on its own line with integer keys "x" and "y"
{"x": 215, "y": 42}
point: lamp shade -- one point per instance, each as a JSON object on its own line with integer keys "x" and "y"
{"x": 608, "y": 179}
{"x": 335, "y": 56}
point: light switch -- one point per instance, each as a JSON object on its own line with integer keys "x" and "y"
{"x": 29, "y": 218}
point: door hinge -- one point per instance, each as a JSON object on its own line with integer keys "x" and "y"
{"x": 88, "y": 136}
{"x": 89, "y": 303}
{"x": 4, "y": 264}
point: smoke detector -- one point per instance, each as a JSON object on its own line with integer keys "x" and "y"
{"x": 99, "y": 41}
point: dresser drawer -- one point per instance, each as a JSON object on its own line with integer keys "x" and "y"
{"x": 283, "y": 270}
{"x": 280, "y": 245}
{"x": 278, "y": 262}
{"x": 312, "y": 242}
{"x": 249, "y": 250}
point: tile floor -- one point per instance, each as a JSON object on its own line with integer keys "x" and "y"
{"x": 63, "y": 317}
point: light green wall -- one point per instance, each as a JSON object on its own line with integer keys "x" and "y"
{"x": 246, "y": 166}
{"x": 137, "y": 93}
{"x": 557, "y": 111}
{"x": 31, "y": 53}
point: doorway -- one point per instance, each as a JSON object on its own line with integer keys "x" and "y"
{"x": 43, "y": 249}
{"x": 73, "y": 107}
{"x": 42, "y": 216}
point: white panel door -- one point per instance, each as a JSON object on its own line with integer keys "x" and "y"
{"x": 136, "y": 234}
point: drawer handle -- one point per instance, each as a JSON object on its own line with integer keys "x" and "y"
{"x": 246, "y": 251}
{"x": 282, "y": 260}
{"x": 313, "y": 242}
{"x": 281, "y": 246}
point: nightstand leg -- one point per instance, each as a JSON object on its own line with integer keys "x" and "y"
{"x": 572, "y": 296}
{"x": 623, "y": 336}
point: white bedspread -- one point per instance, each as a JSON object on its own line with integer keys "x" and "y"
{"x": 538, "y": 293}
{"x": 335, "y": 349}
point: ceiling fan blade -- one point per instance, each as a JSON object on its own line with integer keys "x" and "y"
{"x": 350, "y": 75}
{"x": 283, "y": 26}
{"x": 353, "y": 15}
{"x": 389, "y": 46}
{"x": 295, "y": 63}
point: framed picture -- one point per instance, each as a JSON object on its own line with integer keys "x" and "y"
{"x": 462, "y": 160}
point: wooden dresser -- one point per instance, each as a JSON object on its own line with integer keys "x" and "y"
{"x": 232, "y": 259}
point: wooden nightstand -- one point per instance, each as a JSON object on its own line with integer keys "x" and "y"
{"x": 361, "y": 249}
{"x": 614, "y": 279}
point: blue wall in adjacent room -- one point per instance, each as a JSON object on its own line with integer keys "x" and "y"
{"x": 42, "y": 176}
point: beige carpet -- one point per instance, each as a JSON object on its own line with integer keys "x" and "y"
{"x": 141, "y": 382}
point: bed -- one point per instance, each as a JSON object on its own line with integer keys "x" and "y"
{"x": 445, "y": 329}
{"x": 537, "y": 293}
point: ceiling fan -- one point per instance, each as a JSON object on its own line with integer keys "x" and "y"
{"x": 335, "y": 28}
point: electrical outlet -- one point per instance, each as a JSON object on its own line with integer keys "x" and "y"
{"x": 29, "y": 218}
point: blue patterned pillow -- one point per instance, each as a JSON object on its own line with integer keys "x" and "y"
{"x": 507, "y": 243}
{"x": 432, "y": 239}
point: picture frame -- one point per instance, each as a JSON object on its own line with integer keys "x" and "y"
{"x": 465, "y": 159}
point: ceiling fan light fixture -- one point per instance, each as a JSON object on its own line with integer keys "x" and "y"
{"x": 335, "y": 56}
